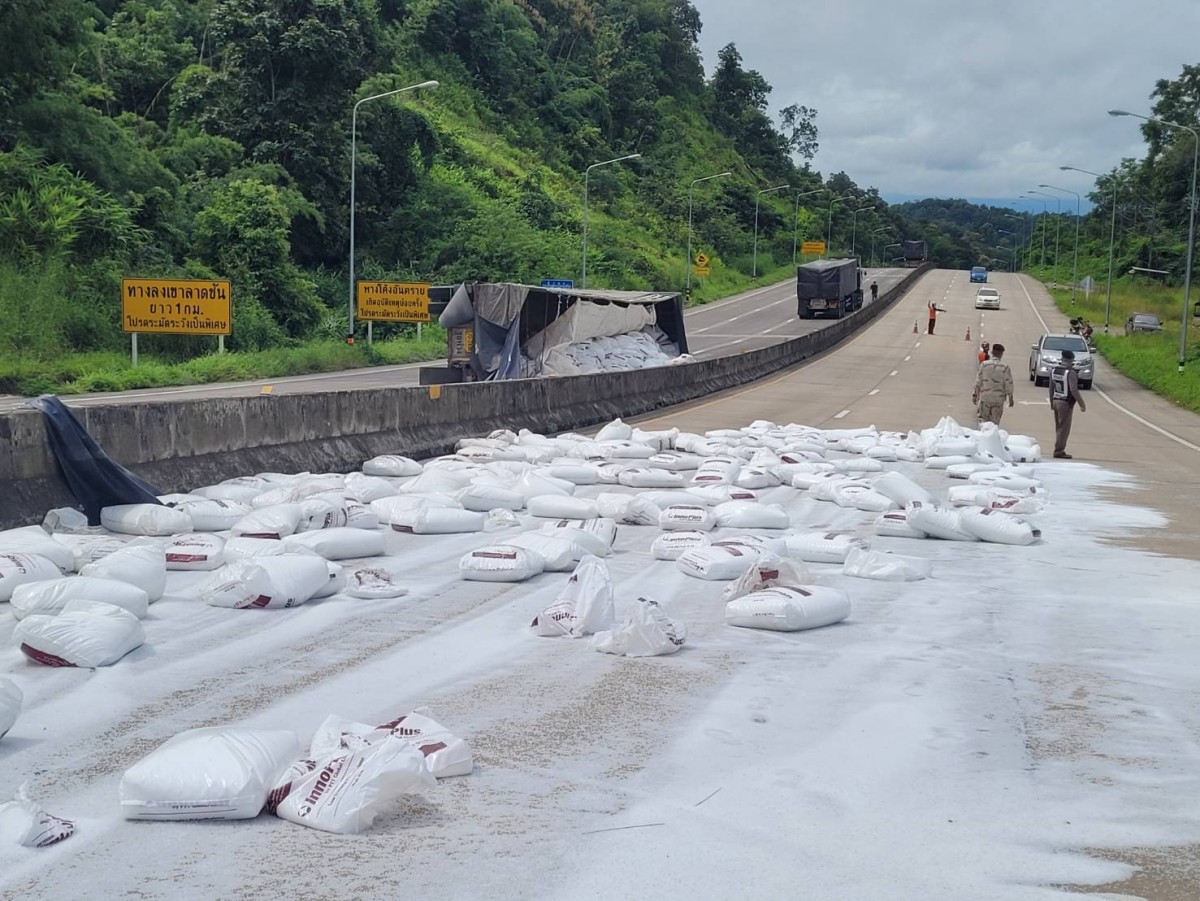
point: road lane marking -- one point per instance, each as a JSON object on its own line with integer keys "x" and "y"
{"x": 841, "y": 415}
{"x": 872, "y": 392}
{"x": 1102, "y": 393}
{"x": 894, "y": 372}
{"x": 909, "y": 357}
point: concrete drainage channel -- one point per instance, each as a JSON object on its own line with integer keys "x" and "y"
{"x": 182, "y": 444}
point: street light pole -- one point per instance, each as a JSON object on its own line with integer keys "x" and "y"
{"x": 1004, "y": 231}
{"x": 1187, "y": 277}
{"x": 353, "y": 185}
{"x": 1045, "y": 212}
{"x": 796, "y": 220}
{"x": 854, "y": 229}
{"x": 1022, "y": 240}
{"x": 882, "y": 228}
{"x": 587, "y": 173}
{"x": 758, "y": 197}
{"x": 1112, "y": 237}
{"x": 688, "y": 259}
{"x": 829, "y": 226}
{"x": 1075, "y": 271}
{"x": 1057, "y": 228}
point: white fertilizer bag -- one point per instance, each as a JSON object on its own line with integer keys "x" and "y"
{"x": 764, "y": 544}
{"x": 894, "y": 524}
{"x": 995, "y": 526}
{"x": 666, "y": 498}
{"x": 85, "y": 634}
{"x": 324, "y": 512}
{"x": 946, "y": 462}
{"x": 823, "y": 547}
{"x": 886, "y": 567}
{"x": 881, "y": 452}
{"x": 212, "y": 515}
{"x": 145, "y": 519}
{"x": 687, "y": 517}
{"x": 365, "y": 489}
{"x": 34, "y": 540}
{"x": 19, "y": 569}
{"x": 938, "y": 521}
{"x": 87, "y": 549}
{"x": 10, "y": 704}
{"x": 559, "y": 554}
{"x": 252, "y": 548}
{"x": 966, "y": 470}
{"x": 576, "y": 474}
{"x": 266, "y": 583}
{"x": 337, "y": 581}
{"x": 597, "y": 535}
{"x": 344, "y": 791}
{"x": 547, "y": 506}
{"x": 242, "y": 494}
{"x": 766, "y": 571}
{"x": 859, "y": 497}
{"x": 270, "y": 522}
{"x": 436, "y": 521}
{"x": 22, "y": 822}
{"x": 195, "y": 551}
{"x": 483, "y": 497}
{"x": 756, "y": 477}
{"x": 857, "y": 464}
{"x": 717, "y": 471}
{"x": 660, "y": 440}
{"x": 670, "y": 545}
{"x": 140, "y": 565}
{"x": 828, "y": 489}
{"x": 615, "y": 431}
{"x": 750, "y": 515}
{"x": 533, "y": 484}
{"x": 628, "y": 509}
{"x": 338, "y": 544}
{"x": 500, "y": 563}
{"x": 712, "y": 495}
{"x": 1004, "y": 478}
{"x": 372, "y": 583}
{"x": 66, "y": 519}
{"x": 1026, "y": 500}
{"x": 392, "y": 466}
{"x": 446, "y": 754}
{"x": 219, "y": 773}
{"x": 647, "y": 631}
{"x": 806, "y": 481}
{"x": 626, "y": 450}
{"x": 782, "y": 608}
{"x": 643, "y": 477}
{"x": 717, "y": 562}
{"x": 584, "y": 606}
{"x": 675, "y": 461}
{"x": 388, "y": 508}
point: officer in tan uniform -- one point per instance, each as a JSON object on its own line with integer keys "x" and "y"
{"x": 993, "y": 383}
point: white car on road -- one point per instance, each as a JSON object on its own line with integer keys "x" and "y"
{"x": 987, "y": 299}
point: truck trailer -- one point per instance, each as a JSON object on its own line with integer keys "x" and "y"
{"x": 914, "y": 254}
{"x": 828, "y": 288}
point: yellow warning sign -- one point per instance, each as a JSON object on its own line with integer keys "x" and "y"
{"x": 701, "y": 260}
{"x": 176, "y": 306}
{"x": 700, "y": 271}
{"x": 812, "y": 247}
{"x": 393, "y": 301}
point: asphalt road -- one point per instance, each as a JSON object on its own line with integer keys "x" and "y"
{"x": 748, "y": 321}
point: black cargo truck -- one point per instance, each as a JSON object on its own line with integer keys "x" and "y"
{"x": 828, "y": 288}
{"x": 914, "y": 254}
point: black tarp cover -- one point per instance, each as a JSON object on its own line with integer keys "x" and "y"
{"x": 94, "y": 479}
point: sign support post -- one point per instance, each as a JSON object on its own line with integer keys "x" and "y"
{"x": 133, "y": 349}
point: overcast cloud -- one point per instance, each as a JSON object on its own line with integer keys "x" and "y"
{"x": 962, "y": 98}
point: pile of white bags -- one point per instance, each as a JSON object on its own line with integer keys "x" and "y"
{"x": 938, "y": 521}
{"x": 788, "y": 608}
{"x": 646, "y": 631}
{"x": 85, "y": 634}
{"x": 584, "y": 606}
{"x": 220, "y": 773}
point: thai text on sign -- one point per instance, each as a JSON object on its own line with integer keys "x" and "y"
{"x": 177, "y": 306}
{"x": 393, "y": 301}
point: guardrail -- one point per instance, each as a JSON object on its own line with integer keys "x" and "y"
{"x": 177, "y": 445}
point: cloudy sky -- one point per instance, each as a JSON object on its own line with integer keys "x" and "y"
{"x": 962, "y": 98}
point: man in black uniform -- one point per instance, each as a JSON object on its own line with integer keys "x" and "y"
{"x": 1064, "y": 395}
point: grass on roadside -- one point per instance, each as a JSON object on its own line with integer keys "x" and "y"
{"x": 1151, "y": 360}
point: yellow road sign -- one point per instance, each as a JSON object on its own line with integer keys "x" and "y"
{"x": 812, "y": 247}
{"x": 393, "y": 301}
{"x": 700, "y": 271}
{"x": 176, "y": 306}
{"x": 701, "y": 260}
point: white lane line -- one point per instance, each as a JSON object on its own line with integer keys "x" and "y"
{"x": 1102, "y": 393}
{"x": 909, "y": 357}
{"x": 918, "y": 344}
{"x": 894, "y": 372}
{"x": 842, "y": 414}
{"x": 872, "y": 392}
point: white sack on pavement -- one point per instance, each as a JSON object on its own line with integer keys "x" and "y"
{"x": 996, "y": 526}
{"x": 938, "y": 521}
{"x": 194, "y": 551}
{"x": 23, "y": 822}
{"x": 584, "y": 606}
{"x": 500, "y": 563}
{"x": 145, "y": 519}
{"x": 219, "y": 773}
{"x": 886, "y": 567}
{"x": 647, "y": 631}
{"x": 784, "y": 608}
{"x": 20, "y": 569}
{"x": 266, "y": 583}
{"x": 85, "y": 634}
{"x": 49, "y": 597}
{"x": 142, "y": 565}
{"x": 35, "y": 540}
{"x": 823, "y": 547}
{"x": 446, "y": 754}
{"x": 338, "y": 544}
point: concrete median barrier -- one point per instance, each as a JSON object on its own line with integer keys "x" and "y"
{"x": 177, "y": 445}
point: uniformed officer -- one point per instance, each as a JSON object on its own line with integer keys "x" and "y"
{"x": 993, "y": 383}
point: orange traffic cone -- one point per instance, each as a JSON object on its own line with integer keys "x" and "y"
{"x": 968, "y": 338}
{"x": 916, "y": 331}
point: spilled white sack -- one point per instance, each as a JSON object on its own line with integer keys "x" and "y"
{"x": 583, "y": 607}
{"x": 85, "y": 634}
{"x": 647, "y": 631}
{"x": 784, "y": 608}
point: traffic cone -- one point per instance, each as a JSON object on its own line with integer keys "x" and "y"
{"x": 916, "y": 331}
{"x": 968, "y": 338}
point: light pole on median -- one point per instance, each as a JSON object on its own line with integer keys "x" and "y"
{"x": 829, "y": 226}
{"x": 1112, "y": 237}
{"x": 353, "y": 155}
{"x": 1187, "y": 277}
{"x": 888, "y": 247}
{"x": 796, "y": 219}
{"x": 1022, "y": 221}
{"x": 1005, "y": 231}
{"x": 688, "y": 260}
{"x": 587, "y": 173}
{"x": 882, "y": 228}
{"x": 1057, "y": 227}
{"x": 757, "y": 198}
{"x": 854, "y": 229}
{"x": 1045, "y": 212}
{"x": 1075, "y": 269}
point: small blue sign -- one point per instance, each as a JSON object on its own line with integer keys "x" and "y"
{"x": 557, "y": 283}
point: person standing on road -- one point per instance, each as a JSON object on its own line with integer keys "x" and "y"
{"x": 934, "y": 309}
{"x": 874, "y": 291}
{"x": 984, "y": 352}
{"x": 1064, "y": 395}
{"x": 993, "y": 383}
